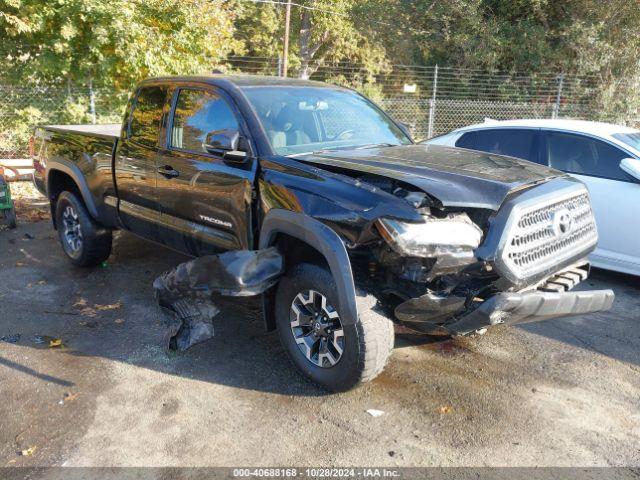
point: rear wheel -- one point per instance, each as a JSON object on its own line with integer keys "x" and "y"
{"x": 85, "y": 242}
{"x": 333, "y": 354}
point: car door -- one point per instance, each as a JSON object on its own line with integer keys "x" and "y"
{"x": 513, "y": 142}
{"x": 614, "y": 194}
{"x": 135, "y": 162}
{"x": 205, "y": 198}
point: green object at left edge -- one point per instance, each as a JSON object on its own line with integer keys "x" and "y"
{"x": 6, "y": 204}
{"x": 5, "y": 195}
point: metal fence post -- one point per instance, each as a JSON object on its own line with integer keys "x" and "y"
{"x": 556, "y": 106}
{"x": 432, "y": 103}
{"x": 92, "y": 102}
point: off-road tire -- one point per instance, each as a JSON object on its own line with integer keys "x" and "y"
{"x": 367, "y": 344}
{"x": 96, "y": 239}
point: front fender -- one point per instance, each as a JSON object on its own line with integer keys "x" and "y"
{"x": 324, "y": 240}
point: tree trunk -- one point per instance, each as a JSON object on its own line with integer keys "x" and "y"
{"x": 307, "y": 50}
{"x": 304, "y": 39}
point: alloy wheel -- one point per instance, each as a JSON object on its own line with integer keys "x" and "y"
{"x": 316, "y": 328}
{"x": 72, "y": 231}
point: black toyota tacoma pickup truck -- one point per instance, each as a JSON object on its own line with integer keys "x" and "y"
{"x": 375, "y": 229}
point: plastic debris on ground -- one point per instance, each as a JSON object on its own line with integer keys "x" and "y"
{"x": 187, "y": 290}
{"x": 193, "y": 323}
{"x": 51, "y": 342}
{"x": 13, "y": 338}
{"x": 375, "y": 413}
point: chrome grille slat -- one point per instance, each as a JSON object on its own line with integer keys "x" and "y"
{"x": 549, "y": 232}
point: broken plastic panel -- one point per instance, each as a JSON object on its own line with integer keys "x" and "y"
{"x": 187, "y": 290}
{"x": 192, "y": 323}
{"x": 237, "y": 273}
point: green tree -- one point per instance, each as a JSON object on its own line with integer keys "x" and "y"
{"x": 323, "y": 32}
{"x": 111, "y": 43}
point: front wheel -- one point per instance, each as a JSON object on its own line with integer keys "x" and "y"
{"x": 85, "y": 242}
{"x": 336, "y": 355}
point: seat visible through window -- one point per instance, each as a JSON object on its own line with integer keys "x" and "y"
{"x": 584, "y": 155}
{"x": 289, "y": 125}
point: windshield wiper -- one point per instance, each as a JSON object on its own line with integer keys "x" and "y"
{"x": 348, "y": 147}
{"x": 374, "y": 145}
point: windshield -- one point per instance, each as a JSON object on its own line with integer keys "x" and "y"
{"x": 309, "y": 119}
{"x": 631, "y": 139}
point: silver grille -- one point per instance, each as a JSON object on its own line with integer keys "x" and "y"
{"x": 549, "y": 232}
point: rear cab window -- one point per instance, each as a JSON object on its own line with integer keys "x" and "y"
{"x": 144, "y": 124}
{"x": 513, "y": 142}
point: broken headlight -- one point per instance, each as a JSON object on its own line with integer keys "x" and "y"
{"x": 454, "y": 235}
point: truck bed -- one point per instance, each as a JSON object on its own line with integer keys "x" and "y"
{"x": 85, "y": 154}
{"x": 106, "y": 130}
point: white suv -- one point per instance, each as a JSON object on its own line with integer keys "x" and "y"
{"x": 605, "y": 157}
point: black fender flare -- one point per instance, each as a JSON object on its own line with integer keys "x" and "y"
{"x": 77, "y": 176}
{"x": 324, "y": 240}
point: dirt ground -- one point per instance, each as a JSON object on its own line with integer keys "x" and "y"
{"x": 557, "y": 393}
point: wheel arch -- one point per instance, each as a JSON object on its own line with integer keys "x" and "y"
{"x": 320, "y": 239}
{"x": 61, "y": 177}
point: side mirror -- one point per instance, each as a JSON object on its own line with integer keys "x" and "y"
{"x": 226, "y": 143}
{"x": 631, "y": 166}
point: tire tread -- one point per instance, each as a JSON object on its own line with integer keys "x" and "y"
{"x": 377, "y": 336}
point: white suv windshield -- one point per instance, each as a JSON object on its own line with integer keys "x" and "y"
{"x": 309, "y": 119}
{"x": 631, "y": 139}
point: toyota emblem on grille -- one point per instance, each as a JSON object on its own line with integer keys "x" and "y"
{"x": 562, "y": 222}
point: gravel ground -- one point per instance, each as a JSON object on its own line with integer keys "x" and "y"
{"x": 557, "y": 393}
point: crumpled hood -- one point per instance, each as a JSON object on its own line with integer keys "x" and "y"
{"x": 455, "y": 176}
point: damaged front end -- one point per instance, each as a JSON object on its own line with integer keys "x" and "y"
{"x": 462, "y": 270}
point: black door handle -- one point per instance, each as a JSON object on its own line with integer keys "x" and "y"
{"x": 168, "y": 172}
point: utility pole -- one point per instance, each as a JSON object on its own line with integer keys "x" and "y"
{"x": 556, "y": 107}
{"x": 432, "y": 103}
{"x": 285, "y": 53}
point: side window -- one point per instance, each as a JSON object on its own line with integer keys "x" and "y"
{"x": 147, "y": 113}
{"x": 583, "y": 155}
{"x": 197, "y": 113}
{"x": 513, "y": 142}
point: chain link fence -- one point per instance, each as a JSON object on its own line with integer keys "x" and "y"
{"x": 21, "y": 108}
{"x": 430, "y": 100}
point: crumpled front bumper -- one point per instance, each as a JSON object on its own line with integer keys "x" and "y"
{"x": 533, "y": 306}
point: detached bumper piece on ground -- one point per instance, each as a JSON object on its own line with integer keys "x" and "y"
{"x": 514, "y": 308}
{"x": 551, "y": 299}
{"x": 187, "y": 291}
